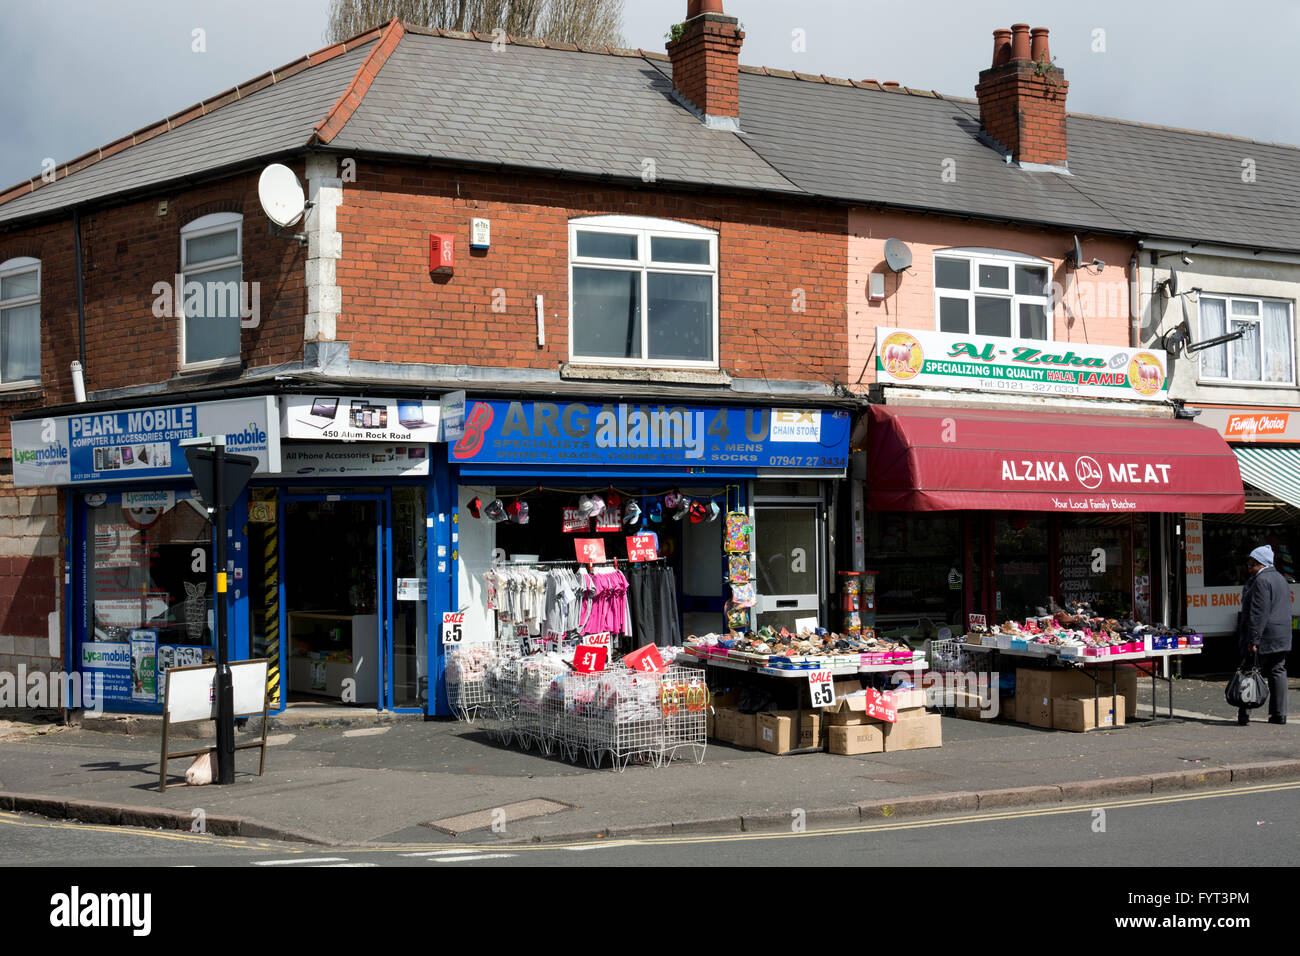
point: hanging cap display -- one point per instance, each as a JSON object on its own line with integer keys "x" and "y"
{"x": 518, "y": 511}
{"x": 714, "y": 511}
{"x": 495, "y": 510}
{"x": 698, "y": 511}
{"x": 683, "y": 507}
{"x": 672, "y": 500}
{"x": 656, "y": 512}
{"x": 633, "y": 514}
{"x": 591, "y": 506}
{"x": 476, "y": 507}
{"x": 612, "y": 500}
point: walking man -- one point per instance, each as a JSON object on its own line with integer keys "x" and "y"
{"x": 1265, "y": 628}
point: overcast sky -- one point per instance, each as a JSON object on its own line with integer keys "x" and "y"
{"x": 79, "y": 73}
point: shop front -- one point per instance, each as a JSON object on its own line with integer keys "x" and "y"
{"x": 999, "y": 514}
{"x": 327, "y": 545}
{"x": 1266, "y": 442}
{"x": 651, "y": 496}
{"x": 1005, "y": 476}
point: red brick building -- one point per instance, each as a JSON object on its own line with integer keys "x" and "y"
{"x": 618, "y": 242}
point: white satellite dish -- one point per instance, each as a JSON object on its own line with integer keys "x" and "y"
{"x": 281, "y": 195}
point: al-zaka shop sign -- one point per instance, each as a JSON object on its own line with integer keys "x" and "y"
{"x": 938, "y": 359}
{"x": 627, "y": 434}
{"x": 941, "y": 459}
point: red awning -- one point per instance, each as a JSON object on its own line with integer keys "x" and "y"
{"x": 945, "y": 459}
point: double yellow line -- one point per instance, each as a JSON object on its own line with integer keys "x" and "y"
{"x": 886, "y": 826}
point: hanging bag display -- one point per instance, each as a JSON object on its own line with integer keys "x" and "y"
{"x": 736, "y": 538}
{"x": 1247, "y": 688}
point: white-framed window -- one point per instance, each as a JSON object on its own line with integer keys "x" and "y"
{"x": 211, "y": 291}
{"x": 20, "y": 321}
{"x": 642, "y": 292}
{"x": 1265, "y": 355}
{"x": 992, "y": 292}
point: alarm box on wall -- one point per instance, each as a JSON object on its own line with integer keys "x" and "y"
{"x": 442, "y": 253}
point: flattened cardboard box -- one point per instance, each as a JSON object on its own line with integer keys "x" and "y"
{"x": 857, "y": 739}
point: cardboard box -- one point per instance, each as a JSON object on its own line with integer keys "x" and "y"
{"x": 857, "y": 739}
{"x": 724, "y": 723}
{"x": 910, "y": 698}
{"x": 775, "y": 730}
{"x": 1079, "y": 714}
{"x": 812, "y": 732}
{"x": 1073, "y": 682}
{"x": 744, "y": 732}
{"x": 914, "y": 732}
{"x": 1007, "y": 708}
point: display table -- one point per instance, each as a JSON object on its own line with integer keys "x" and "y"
{"x": 1055, "y": 661}
{"x": 359, "y": 635}
{"x": 837, "y": 669}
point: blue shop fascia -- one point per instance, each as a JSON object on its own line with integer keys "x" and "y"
{"x": 370, "y": 518}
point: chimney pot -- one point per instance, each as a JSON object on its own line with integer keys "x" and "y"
{"x": 1020, "y": 41}
{"x": 695, "y": 7}
{"x": 1001, "y": 46}
{"x": 1038, "y": 47}
{"x": 1022, "y": 110}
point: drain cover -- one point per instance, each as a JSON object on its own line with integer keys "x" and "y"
{"x": 481, "y": 819}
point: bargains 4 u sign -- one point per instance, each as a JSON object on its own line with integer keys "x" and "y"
{"x": 937, "y": 359}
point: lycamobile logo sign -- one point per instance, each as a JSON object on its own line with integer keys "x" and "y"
{"x": 937, "y": 359}
{"x": 51, "y": 454}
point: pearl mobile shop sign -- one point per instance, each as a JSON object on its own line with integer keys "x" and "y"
{"x": 1023, "y": 366}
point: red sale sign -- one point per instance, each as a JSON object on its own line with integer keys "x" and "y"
{"x": 975, "y": 620}
{"x": 589, "y": 660}
{"x": 599, "y": 640}
{"x": 611, "y": 519}
{"x": 590, "y": 550}
{"x": 641, "y": 547}
{"x": 645, "y": 659}
{"x": 574, "y": 520}
{"x": 882, "y": 706}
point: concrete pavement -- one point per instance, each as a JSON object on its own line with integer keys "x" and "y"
{"x": 387, "y": 780}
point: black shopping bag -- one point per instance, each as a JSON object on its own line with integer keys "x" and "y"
{"x": 1247, "y": 688}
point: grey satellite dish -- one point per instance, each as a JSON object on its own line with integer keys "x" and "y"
{"x": 281, "y": 195}
{"x": 897, "y": 256}
{"x": 1173, "y": 281}
{"x": 1075, "y": 255}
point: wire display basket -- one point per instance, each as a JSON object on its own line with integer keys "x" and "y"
{"x": 467, "y": 680}
{"x": 614, "y": 718}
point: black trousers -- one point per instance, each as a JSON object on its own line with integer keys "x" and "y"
{"x": 652, "y": 592}
{"x": 1273, "y": 667}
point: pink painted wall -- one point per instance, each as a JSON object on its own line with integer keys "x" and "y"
{"x": 1098, "y": 304}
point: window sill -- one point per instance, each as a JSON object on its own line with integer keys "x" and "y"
{"x": 21, "y": 391}
{"x": 1228, "y": 383}
{"x": 214, "y": 372}
{"x": 573, "y": 371}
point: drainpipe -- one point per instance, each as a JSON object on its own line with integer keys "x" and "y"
{"x": 1135, "y": 333}
{"x": 78, "y": 367}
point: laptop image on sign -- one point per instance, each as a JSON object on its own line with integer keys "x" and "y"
{"x": 323, "y": 411}
{"x": 411, "y": 415}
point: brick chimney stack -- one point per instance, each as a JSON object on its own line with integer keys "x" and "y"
{"x": 1022, "y": 97}
{"x": 706, "y": 64}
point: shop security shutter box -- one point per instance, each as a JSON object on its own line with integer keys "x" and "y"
{"x": 914, "y": 730}
{"x": 868, "y": 738}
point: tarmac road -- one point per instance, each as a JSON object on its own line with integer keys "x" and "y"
{"x": 1239, "y": 826}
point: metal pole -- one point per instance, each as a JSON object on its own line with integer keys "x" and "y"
{"x": 225, "y": 682}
